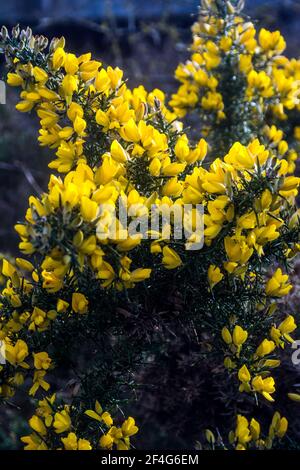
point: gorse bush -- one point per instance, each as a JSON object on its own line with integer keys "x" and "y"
{"x": 84, "y": 311}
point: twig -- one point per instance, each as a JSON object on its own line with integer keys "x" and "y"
{"x": 26, "y": 171}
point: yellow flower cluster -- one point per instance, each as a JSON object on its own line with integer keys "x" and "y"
{"x": 20, "y": 361}
{"x": 113, "y": 144}
{"x": 53, "y": 429}
{"x": 72, "y": 210}
{"x": 103, "y": 135}
{"x": 248, "y": 435}
{"x": 85, "y": 109}
{"x": 253, "y": 367}
{"x": 237, "y": 74}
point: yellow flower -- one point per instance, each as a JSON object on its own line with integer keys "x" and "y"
{"x": 71, "y": 442}
{"x": 69, "y": 85}
{"x": 276, "y": 336}
{"x": 102, "y": 119}
{"x": 140, "y": 274}
{"x": 242, "y": 431}
{"x": 107, "y": 171}
{"x": 42, "y": 360}
{"x": 62, "y": 305}
{"x": 265, "y": 347}
{"x": 79, "y": 303}
{"x": 278, "y": 426}
{"x": 38, "y": 381}
{"x": 198, "y": 153}
{"x": 173, "y": 187}
{"x": 170, "y": 260}
{"x": 8, "y": 270}
{"x": 140, "y": 152}
{"x": 24, "y": 264}
{"x": 130, "y": 131}
{"x": 289, "y": 186}
{"x": 37, "y": 425}
{"x": 107, "y": 273}
{"x": 16, "y": 354}
{"x": 99, "y": 415}
{"x": 79, "y": 125}
{"x": 58, "y": 58}
{"x": 39, "y": 74}
{"x": 286, "y": 327}
{"x": 182, "y": 148}
{"x": 244, "y": 374}
{"x": 227, "y": 338}
{"x": 239, "y": 335}
{"x": 34, "y": 442}
{"x": 106, "y": 441}
{"x": 106, "y": 418}
{"x": 62, "y": 422}
{"x": 71, "y": 64}
{"x": 245, "y": 63}
{"x": 45, "y": 409}
{"x": 88, "y": 209}
{"x": 278, "y": 285}
{"x": 272, "y": 363}
{"x": 88, "y": 246}
{"x": 47, "y": 94}
{"x": 51, "y": 282}
{"x": 225, "y": 43}
{"x": 129, "y": 428}
{"x": 24, "y": 106}
{"x": 265, "y": 386}
{"x": 297, "y": 132}
{"x": 155, "y": 166}
{"x": 117, "y": 152}
{"x": 102, "y": 81}
{"x": 37, "y": 318}
{"x": 214, "y": 275}
{"x": 282, "y": 428}
{"x": 271, "y": 41}
{"x": 237, "y": 250}
{"x": 173, "y": 169}
{"x": 254, "y": 429}
{"x": 13, "y": 79}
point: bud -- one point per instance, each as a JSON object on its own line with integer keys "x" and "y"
{"x": 28, "y": 33}
{"x": 206, "y": 4}
{"x": 4, "y": 33}
{"x": 210, "y": 436}
{"x": 294, "y": 397}
{"x": 57, "y": 43}
{"x": 22, "y": 44}
{"x": 230, "y": 8}
{"x": 36, "y": 43}
{"x": 23, "y": 36}
{"x": 44, "y": 43}
{"x": 52, "y": 45}
{"x": 15, "y": 31}
{"x": 157, "y": 104}
{"x": 61, "y": 42}
{"x": 240, "y": 5}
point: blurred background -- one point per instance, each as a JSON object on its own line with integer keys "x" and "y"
{"x": 147, "y": 38}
